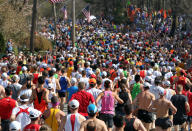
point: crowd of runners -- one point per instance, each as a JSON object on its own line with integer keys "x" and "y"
{"x": 114, "y": 78}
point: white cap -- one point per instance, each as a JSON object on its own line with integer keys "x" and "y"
{"x": 74, "y": 104}
{"x": 54, "y": 69}
{"x": 146, "y": 84}
{"x": 161, "y": 91}
{"x": 24, "y": 68}
{"x": 34, "y": 113}
{"x": 167, "y": 83}
{"x": 73, "y": 80}
{"x": 16, "y": 77}
{"x": 148, "y": 78}
{"x": 149, "y": 72}
{"x": 104, "y": 73}
{"x": 78, "y": 76}
{"x": 4, "y": 75}
{"x": 15, "y": 126}
{"x": 50, "y": 86}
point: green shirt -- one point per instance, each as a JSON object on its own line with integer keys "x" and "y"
{"x": 136, "y": 90}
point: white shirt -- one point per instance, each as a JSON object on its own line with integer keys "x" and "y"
{"x": 168, "y": 75}
{"x": 68, "y": 126}
{"x": 4, "y": 83}
{"x": 95, "y": 92}
{"x": 23, "y": 118}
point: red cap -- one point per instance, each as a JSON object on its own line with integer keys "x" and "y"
{"x": 71, "y": 63}
{"x": 54, "y": 57}
{"x": 41, "y": 70}
{"x": 93, "y": 76}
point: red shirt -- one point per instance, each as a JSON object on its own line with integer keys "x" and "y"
{"x": 35, "y": 78}
{"x": 189, "y": 97}
{"x": 84, "y": 98}
{"x": 6, "y": 106}
{"x": 32, "y": 127}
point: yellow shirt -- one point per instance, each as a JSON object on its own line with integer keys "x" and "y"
{"x": 69, "y": 71}
{"x": 178, "y": 70}
{"x": 51, "y": 120}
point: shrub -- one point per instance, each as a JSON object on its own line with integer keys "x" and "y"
{"x": 2, "y": 43}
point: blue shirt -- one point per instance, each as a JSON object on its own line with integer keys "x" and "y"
{"x": 72, "y": 90}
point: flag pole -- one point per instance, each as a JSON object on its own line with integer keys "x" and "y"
{"x": 55, "y": 20}
{"x": 73, "y": 22}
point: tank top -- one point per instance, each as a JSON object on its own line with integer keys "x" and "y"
{"x": 69, "y": 71}
{"x": 35, "y": 78}
{"x": 53, "y": 81}
{"x": 107, "y": 103}
{"x": 129, "y": 124}
{"x": 136, "y": 90}
{"x": 124, "y": 96}
{"x": 168, "y": 94}
{"x": 32, "y": 127}
{"x": 142, "y": 73}
{"x": 51, "y": 121}
{"x": 72, "y": 122}
{"x": 181, "y": 81}
{"x": 63, "y": 83}
{"x": 39, "y": 103}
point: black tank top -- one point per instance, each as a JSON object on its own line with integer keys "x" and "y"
{"x": 39, "y": 95}
{"x": 129, "y": 125}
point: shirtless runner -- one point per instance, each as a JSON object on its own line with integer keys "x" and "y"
{"x": 144, "y": 100}
{"x": 162, "y": 106}
{"x": 92, "y": 112}
{"x": 2, "y": 92}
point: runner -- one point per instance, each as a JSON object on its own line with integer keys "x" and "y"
{"x": 6, "y": 106}
{"x": 21, "y": 113}
{"x": 181, "y": 103}
{"x": 145, "y": 99}
{"x": 35, "y": 118}
{"x": 161, "y": 106}
{"x": 107, "y": 101}
{"x": 72, "y": 122}
{"x": 92, "y": 112}
{"x": 53, "y": 115}
{"x": 40, "y": 96}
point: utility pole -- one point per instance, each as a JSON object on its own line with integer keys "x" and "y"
{"x": 55, "y": 20}
{"x": 33, "y": 26}
{"x": 73, "y": 22}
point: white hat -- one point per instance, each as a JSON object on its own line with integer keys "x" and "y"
{"x": 4, "y": 75}
{"x": 74, "y": 104}
{"x": 167, "y": 83}
{"x": 78, "y": 76}
{"x": 34, "y": 113}
{"x": 50, "y": 86}
{"x": 146, "y": 84}
{"x": 54, "y": 69}
{"x": 15, "y": 126}
{"x": 73, "y": 80}
{"x": 104, "y": 73}
{"x": 16, "y": 77}
{"x": 149, "y": 72}
{"x": 24, "y": 68}
{"x": 148, "y": 78}
{"x": 161, "y": 91}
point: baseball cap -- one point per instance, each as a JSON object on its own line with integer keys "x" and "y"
{"x": 161, "y": 91}
{"x": 24, "y": 68}
{"x": 50, "y": 86}
{"x": 148, "y": 79}
{"x": 92, "y": 109}
{"x": 71, "y": 63}
{"x": 73, "y": 80}
{"x": 34, "y": 113}
{"x": 93, "y": 76}
{"x": 15, "y": 126}
{"x": 104, "y": 73}
{"x": 74, "y": 104}
{"x": 92, "y": 81}
{"x": 167, "y": 83}
{"x": 4, "y": 75}
{"x": 146, "y": 84}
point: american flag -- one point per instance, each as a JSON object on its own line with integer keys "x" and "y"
{"x": 64, "y": 10}
{"x": 86, "y": 12}
{"x": 55, "y": 1}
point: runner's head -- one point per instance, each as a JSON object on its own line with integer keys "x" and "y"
{"x": 24, "y": 99}
{"x": 15, "y": 126}
{"x": 107, "y": 84}
{"x": 118, "y": 121}
{"x": 55, "y": 101}
{"x": 128, "y": 108}
{"x": 146, "y": 86}
{"x": 137, "y": 78}
{"x": 92, "y": 110}
{"x": 158, "y": 80}
{"x": 41, "y": 80}
{"x": 179, "y": 88}
{"x": 8, "y": 90}
{"x": 92, "y": 82}
{"x": 34, "y": 114}
{"x": 81, "y": 85}
{"x": 74, "y": 105}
